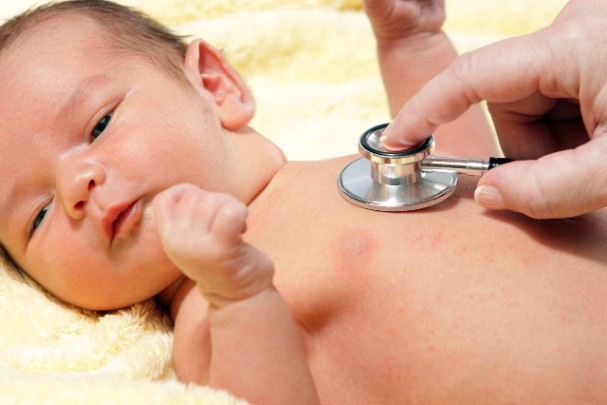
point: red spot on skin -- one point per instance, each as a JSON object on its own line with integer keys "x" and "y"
{"x": 437, "y": 239}
{"x": 355, "y": 249}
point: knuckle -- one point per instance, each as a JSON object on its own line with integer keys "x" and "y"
{"x": 537, "y": 206}
{"x": 532, "y": 197}
{"x": 234, "y": 211}
{"x": 202, "y": 251}
{"x": 593, "y": 182}
{"x": 461, "y": 71}
{"x": 542, "y": 201}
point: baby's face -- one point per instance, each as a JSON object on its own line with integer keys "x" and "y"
{"x": 87, "y": 141}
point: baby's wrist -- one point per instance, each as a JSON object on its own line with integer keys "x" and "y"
{"x": 422, "y": 56}
{"x": 420, "y": 42}
{"x": 249, "y": 280}
{"x": 218, "y": 301}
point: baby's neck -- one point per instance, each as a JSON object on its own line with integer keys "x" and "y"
{"x": 256, "y": 161}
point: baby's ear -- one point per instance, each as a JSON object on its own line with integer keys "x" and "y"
{"x": 232, "y": 96}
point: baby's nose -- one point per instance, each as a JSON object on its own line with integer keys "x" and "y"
{"x": 76, "y": 182}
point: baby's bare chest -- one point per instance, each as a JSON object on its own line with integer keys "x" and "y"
{"x": 393, "y": 303}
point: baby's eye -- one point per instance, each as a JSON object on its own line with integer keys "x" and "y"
{"x": 100, "y": 127}
{"x": 39, "y": 218}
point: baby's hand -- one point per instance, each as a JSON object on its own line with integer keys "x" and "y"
{"x": 393, "y": 20}
{"x": 201, "y": 234}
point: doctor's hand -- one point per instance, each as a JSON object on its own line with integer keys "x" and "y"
{"x": 547, "y": 95}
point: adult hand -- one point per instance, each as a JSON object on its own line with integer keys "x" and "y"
{"x": 547, "y": 94}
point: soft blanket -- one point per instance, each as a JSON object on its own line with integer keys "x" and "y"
{"x": 312, "y": 66}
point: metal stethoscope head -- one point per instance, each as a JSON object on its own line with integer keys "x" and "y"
{"x": 403, "y": 181}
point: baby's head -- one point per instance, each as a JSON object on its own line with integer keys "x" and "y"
{"x": 126, "y": 31}
{"x": 102, "y": 109}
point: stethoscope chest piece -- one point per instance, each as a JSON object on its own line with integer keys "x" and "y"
{"x": 393, "y": 181}
{"x": 404, "y": 181}
{"x": 360, "y": 189}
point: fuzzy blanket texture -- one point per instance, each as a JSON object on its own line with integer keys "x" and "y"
{"x": 312, "y": 66}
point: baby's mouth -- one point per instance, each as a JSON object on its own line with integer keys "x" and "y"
{"x": 120, "y": 219}
{"x": 127, "y": 220}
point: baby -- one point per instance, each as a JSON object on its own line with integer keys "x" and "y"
{"x": 128, "y": 154}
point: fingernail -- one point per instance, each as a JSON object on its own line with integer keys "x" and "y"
{"x": 393, "y": 146}
{"x": 384, "y": 135}
{"x": 489, "y": 197}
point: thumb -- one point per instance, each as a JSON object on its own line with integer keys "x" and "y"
{"x": 560, "y": 185}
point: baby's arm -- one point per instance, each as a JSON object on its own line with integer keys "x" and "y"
{"x": 411, "y": 49}
{"x": 256, "y": 349}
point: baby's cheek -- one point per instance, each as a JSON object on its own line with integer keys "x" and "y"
{"x": 62, "y": 252}
{"x": 64, "y": 267}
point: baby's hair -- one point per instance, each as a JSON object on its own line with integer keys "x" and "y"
{"x": 127, "y": 31}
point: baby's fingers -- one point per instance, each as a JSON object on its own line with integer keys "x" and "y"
{"x": 168, "y": 205}
{"x": 229, "y": 221}
{"x": 163, "y": 207}
{"x": 188, "y": 211}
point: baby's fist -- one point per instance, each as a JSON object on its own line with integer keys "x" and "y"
{"x": 201, "y": 234}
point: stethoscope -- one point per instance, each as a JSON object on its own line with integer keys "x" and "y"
{"x": 404, "y": 181}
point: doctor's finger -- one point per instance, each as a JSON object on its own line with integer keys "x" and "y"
{"x": 506, "y": 71}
